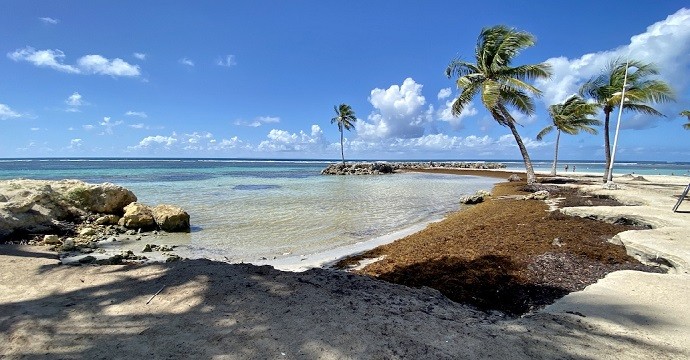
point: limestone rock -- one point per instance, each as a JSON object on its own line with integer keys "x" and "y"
{"x": 475, "y": 198}
{"x": 107, "y": 220}
{"x": 87, "y": 231}
{"x": 51, "y": 239}
{"x": 104, "y": 198}
{"x": 171, "y": 218}
{"x": 514, "y": 178}
{"x": 138, "y": 216}
{"x": 539, "y": 195}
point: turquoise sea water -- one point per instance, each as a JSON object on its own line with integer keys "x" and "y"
{"x": 248, "y": 209}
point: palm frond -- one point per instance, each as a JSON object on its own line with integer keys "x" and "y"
{"x": 545, "y": 131}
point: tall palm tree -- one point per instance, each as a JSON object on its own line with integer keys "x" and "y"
{"x": 345, "y": 118}
{"x": 498, "y": 84}
{"x": 570, "y": 117}
{"x": 605, "y": 90}
{"x": 686, "y": 113}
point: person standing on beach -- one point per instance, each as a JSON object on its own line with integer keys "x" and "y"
{"x": 566, "y": 167}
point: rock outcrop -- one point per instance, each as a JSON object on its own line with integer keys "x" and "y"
{"x": 380, "y": 168}
{"x": 171, "y": 218}
{"x": 29, "y": 208}
{"x": 39, "y": 206}
{"x": 475, "y": 198}
{"x": 138, "y": 216}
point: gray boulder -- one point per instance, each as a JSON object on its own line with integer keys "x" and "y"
{"x": 171, "y": 218}
{"x": 514, "y": 178}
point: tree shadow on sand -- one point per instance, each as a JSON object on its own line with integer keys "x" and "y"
{"x": 215, "y": 310}
{"x": 487, "y": 283}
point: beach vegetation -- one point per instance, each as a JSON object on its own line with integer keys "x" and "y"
{"x": 345, "y": 118}
{"x": 686, "y": 113}
{"x": 570, "y": 117}
{"x": 641, "y": 90}
{"x": 500, "y": 85}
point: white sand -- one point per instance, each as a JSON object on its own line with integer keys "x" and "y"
{"x": 215, "y": 310}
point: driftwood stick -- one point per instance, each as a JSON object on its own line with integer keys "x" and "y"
{"x": 154, "y": 295}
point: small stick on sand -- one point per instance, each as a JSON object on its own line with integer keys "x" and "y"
{"x": 154, "y": 295}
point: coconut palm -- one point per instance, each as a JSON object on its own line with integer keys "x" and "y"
{"x": 570, "y": 117}
{"x": 345, "y": 119}
{"x": 498, "y": 84}
{"x": 686, "y": 113}
{"x": 605, "y": 90}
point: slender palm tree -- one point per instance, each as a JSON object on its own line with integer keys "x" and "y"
{"x": 606, "y": 88}
{"x": 499, "y": 84}
{"x": 686, "y": 113}
{"x": 570, "y": 117}
{"x": 345, "y": 118}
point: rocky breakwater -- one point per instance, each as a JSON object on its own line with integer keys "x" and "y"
{"x": 71, "y": 215}
{"x": 358, "y": 169}
{"x": 381, "y": 168}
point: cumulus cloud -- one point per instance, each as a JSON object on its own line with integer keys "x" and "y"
{"x": 108, "y": 125}
{"x": 665, "y": 43}
{"x": 139, "y": 114}
{"x": 156, "y": 141}
{"x": 186, "y": 62}
{"x": 444, "y": 93}
{"x": 49, "y": 20}
{"x": 7, "y": 113}
{"x": 258, "y": 121}
{"x": 446, "y": 114}
{"x": 97, "y": 64}
{"x": 399, "y": 112}
{"x": 227, "y": 61}
{"x": 140, "y": 56}
{"x": 284, "y": 141}
{"x": 75, "y": 144}
{"x": 89, "y": 64}
{"x": 202, "y": 141}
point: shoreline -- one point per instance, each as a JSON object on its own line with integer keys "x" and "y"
{"x": 202, "y": 308}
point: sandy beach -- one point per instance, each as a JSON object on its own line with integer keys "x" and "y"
{"x": 207, "y": 309}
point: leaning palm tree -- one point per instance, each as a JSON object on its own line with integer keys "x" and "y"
{"x": 606, "y": 89}
{"x": 570, "y": 117}
{"x": 498, "y": 84}
{"x": 345, "y": 119}
{"x": 686, "y": 113}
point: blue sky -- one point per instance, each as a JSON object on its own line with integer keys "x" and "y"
{"x": 259, "y": 79}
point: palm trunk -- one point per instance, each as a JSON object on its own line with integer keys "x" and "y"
{"x": 555, "y": 156}
{"x": 342, "y": 152}
{"x": 607, "y": 146}
{"x": 531, "y": 178}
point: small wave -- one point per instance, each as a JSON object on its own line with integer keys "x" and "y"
{"x": 255, "y": 187}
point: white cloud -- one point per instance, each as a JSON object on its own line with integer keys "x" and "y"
{"x": 137, "y": 126}
{"x": 75, "y": 100}
{"x": 444, "y": 93}
{"x": 89, "y": 64}
{"x": 48, "y": 20}
{"x": 284, "y": 141}
{"x": 43, "y": 58}
{"x": 186, "y": 62}
{"x": 97, "y": 64}
{"x": 88, "y": 127}
{"x": 7, "y": 113}
{"x": 446, "y": 114}
{"x": 140, "y": 56}
{"x": 228, "y": 61}
{"x": 140, "y": 114}
{"x": 75, "y": 144}
{"x": 258, "y": 121}
{"x": 35, "y": 129}
{"x": 156, "y": 141}
{"x": 108, "y": 125}
{"x": 398, "y": 112}
{"x": 665, "y": 43}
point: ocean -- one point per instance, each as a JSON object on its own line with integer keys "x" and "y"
{"x": 246, "y": 210}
